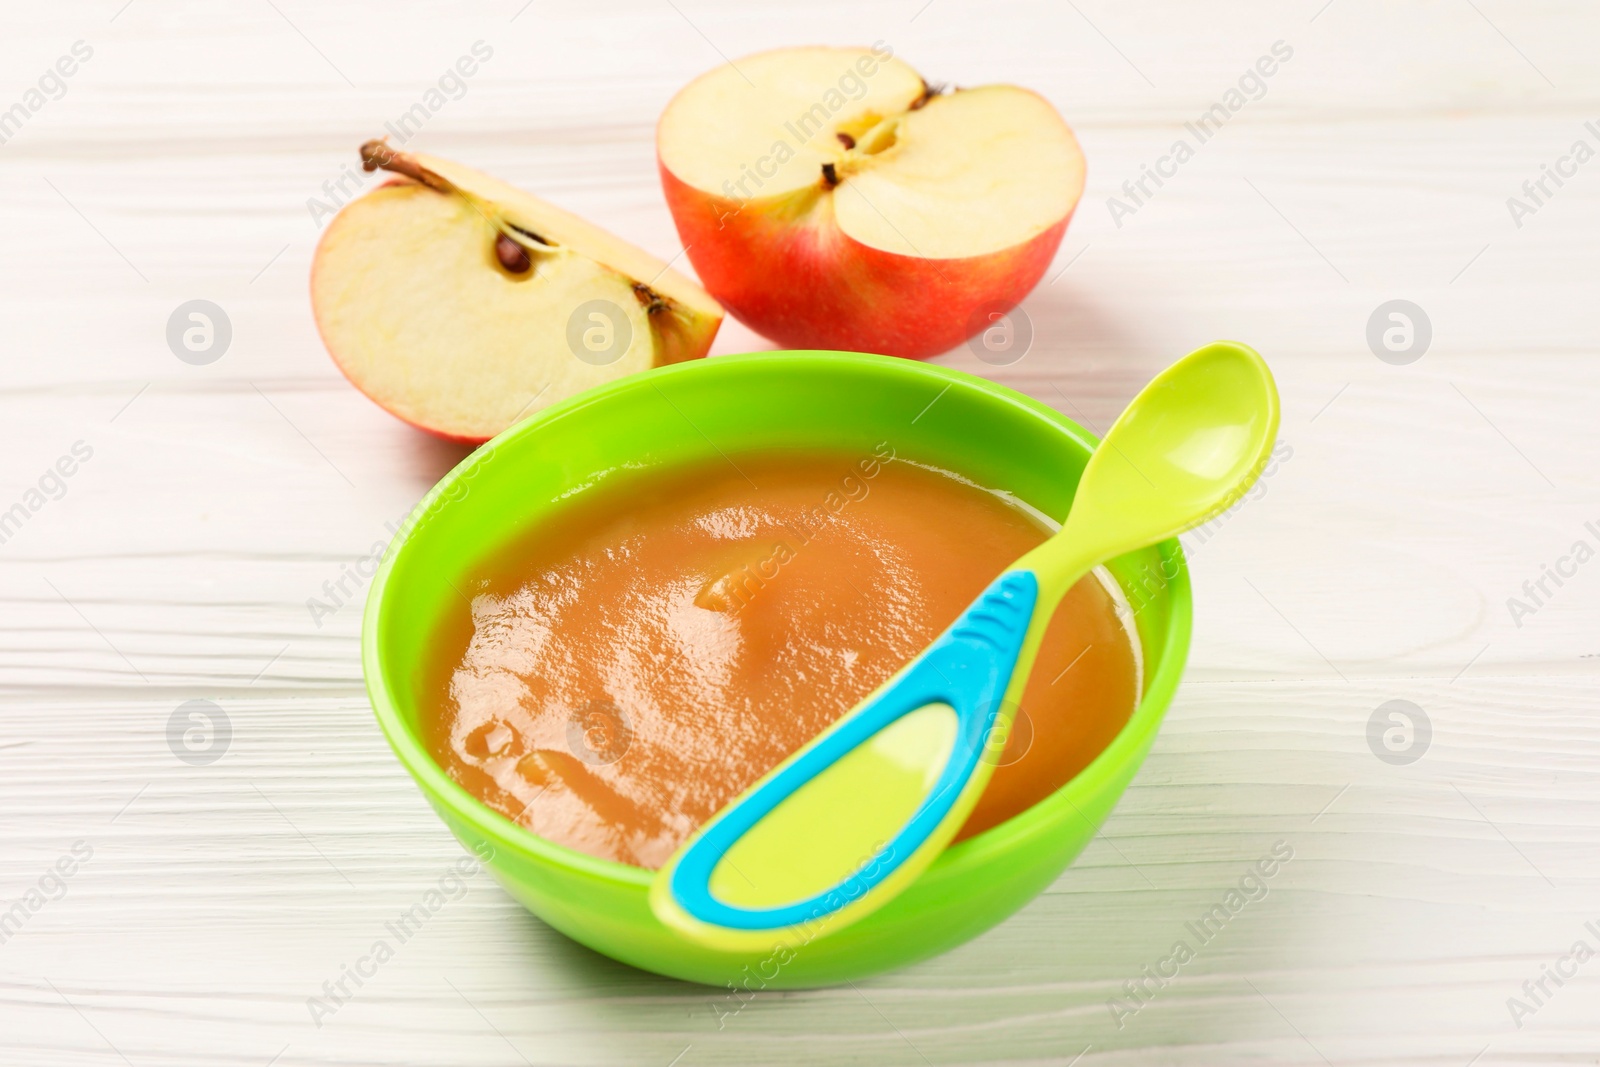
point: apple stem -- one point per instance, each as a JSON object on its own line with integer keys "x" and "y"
{"x": 377, "y": 154}
{"x": 512, "y": 243}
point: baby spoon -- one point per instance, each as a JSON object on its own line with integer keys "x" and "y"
{"x": 842, "y": 826}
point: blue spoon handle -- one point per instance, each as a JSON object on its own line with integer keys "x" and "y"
{"x": 969, "y": 669}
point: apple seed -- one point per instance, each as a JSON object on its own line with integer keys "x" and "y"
{"x": 512, "y": 256}
{"x": 648, "y": 298}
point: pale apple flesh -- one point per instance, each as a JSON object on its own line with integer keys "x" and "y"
{"x": 887, "y": 218}
{"x": 462, "y": 304}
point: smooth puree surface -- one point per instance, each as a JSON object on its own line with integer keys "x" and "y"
{"x": 625, "y": 672}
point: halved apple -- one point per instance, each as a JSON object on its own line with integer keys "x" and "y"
{"x": 461, "y": 303}
{"x": 830, "y": 198}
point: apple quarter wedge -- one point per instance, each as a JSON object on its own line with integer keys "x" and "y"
{"x": 462, "y": 304}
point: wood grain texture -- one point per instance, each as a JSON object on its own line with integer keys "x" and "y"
{"x": 1375, "y": 565}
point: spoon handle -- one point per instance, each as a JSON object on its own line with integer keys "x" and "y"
{"x": 841, "y": 827}
{"x": 838, "y": 828}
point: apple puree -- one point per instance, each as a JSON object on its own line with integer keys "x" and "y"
{"x": 622, "y": 674}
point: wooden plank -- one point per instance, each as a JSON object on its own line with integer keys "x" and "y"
{"x": 1375, "y": 565}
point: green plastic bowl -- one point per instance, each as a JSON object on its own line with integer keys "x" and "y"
{"x": 729, "y": 406}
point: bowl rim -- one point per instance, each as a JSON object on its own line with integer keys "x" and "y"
{"x": 1128, "y": 744}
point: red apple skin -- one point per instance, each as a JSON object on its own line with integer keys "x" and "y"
{"x": 801, "y": 282}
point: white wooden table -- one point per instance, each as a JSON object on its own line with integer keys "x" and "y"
{"x": 177, "y": 561}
